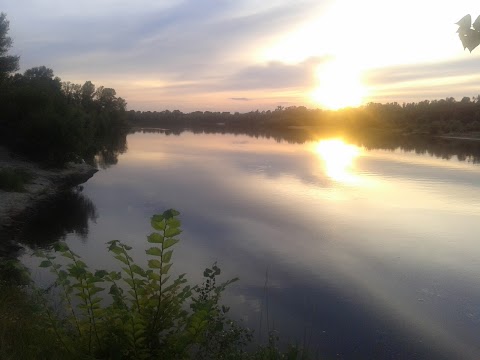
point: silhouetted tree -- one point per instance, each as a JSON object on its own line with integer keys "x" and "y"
{"x": 8, "y": 63}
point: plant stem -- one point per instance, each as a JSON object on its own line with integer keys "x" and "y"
{"x": 54, "y": 326}
{"x": 155, "y": 319}
{"x": 132, "y": 277}
{"x": 67, "y": 297}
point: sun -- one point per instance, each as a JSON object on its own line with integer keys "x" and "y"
{"x": 339, "y": 86}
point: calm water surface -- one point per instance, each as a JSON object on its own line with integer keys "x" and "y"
{"x": 356, "y": 253}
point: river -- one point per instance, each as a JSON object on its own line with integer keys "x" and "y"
{"x": 353, "y": 250}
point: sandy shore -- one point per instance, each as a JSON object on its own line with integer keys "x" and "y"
{"x": 45, "y": 184}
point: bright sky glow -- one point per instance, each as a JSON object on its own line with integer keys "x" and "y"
{"x": 339, "y": 86}
{"x": 241, "y": 56}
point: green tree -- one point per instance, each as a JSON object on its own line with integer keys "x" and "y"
{"x": 39, "y": 72}
{"x": 8, "y": 63}
{"x": 87, "y": 93}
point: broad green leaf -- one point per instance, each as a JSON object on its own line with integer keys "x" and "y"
{"x": 96, "y": 300}
{"x": 77, "y": 285}
{"x": 173, "y": 223}
{"x": 68, "y": 255}
{"x": 154, "y": 276}
{"x": 127, "y": 270}
{"x": 138, "y": 270}
{"x": 129, "y": 282}
{"x": 45, "y": 264}
{"x": 166, "y": 268}
{"x": 169, "y": 243}
{"x": 77, "y": 271}
{"x": 81, "y": 264}
{"x": 82, "y": 296}
{"x": 40, "y": 253}
{"x": 155, "y": 238}
{"x": 170, "y": 232}
{"x": 139, "y": 282}
{"x": 170, "y": 213}
{"x": 157, "y": 222}
{"x": 115, "y": 275}
{"x": 94, "y": 279}
{"x": 115, "y": 249}
{"x": 154, "y": 264}
{"x": 141, "y": 291}
{"x": 101, "y": 273}
{"x": 61, "y": 247}
{"x": 170, "y": 287}
{"x": 62, "y": 275}
{"x": 121, "y": 258}
{"x": 154, "y": 251}
{"x": 167, "y": 256}
{"x": 126, "y": 247}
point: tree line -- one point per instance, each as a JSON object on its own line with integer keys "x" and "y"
{"x": 54, "y": 121}
{"x": 445, "y": 116}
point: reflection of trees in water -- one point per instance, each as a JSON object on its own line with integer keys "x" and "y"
{"x": 464, "y": 150}
{"x": 68, "y": 213}
{"x": 108, "y": 149}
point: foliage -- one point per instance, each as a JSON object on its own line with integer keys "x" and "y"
{"x": 54, "y": 122}
{"x": 469, "y": 33}
{"x": 8, "y": 63}
{"x": 14, "y": 180}
{"x": 142, "y": 312}
{"x": 22, "y": 334}
{"x": 436, "y": 117}
{"x": 47, "y": 120}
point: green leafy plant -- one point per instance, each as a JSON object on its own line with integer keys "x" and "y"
{"x": 141, "y": 312}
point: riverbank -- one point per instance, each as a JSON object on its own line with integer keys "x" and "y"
{"x": 43, "y": 185}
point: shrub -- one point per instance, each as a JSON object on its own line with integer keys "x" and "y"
{"x": 141, "y": 312}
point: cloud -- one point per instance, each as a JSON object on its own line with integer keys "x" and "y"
{"x": 454, "y": 78}
{"x": 240, "y": 99}
{"x": 404, "y": 73}
{"x": 184, "y": 40}
{"x": 274, "y": 75}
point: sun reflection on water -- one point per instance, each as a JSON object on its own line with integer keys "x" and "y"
{"x": 338, "y": 158}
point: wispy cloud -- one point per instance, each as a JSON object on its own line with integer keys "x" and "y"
{"x": 426, "y": 81}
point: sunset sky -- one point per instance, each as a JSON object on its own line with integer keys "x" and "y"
{"x": 245, "y": 55}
